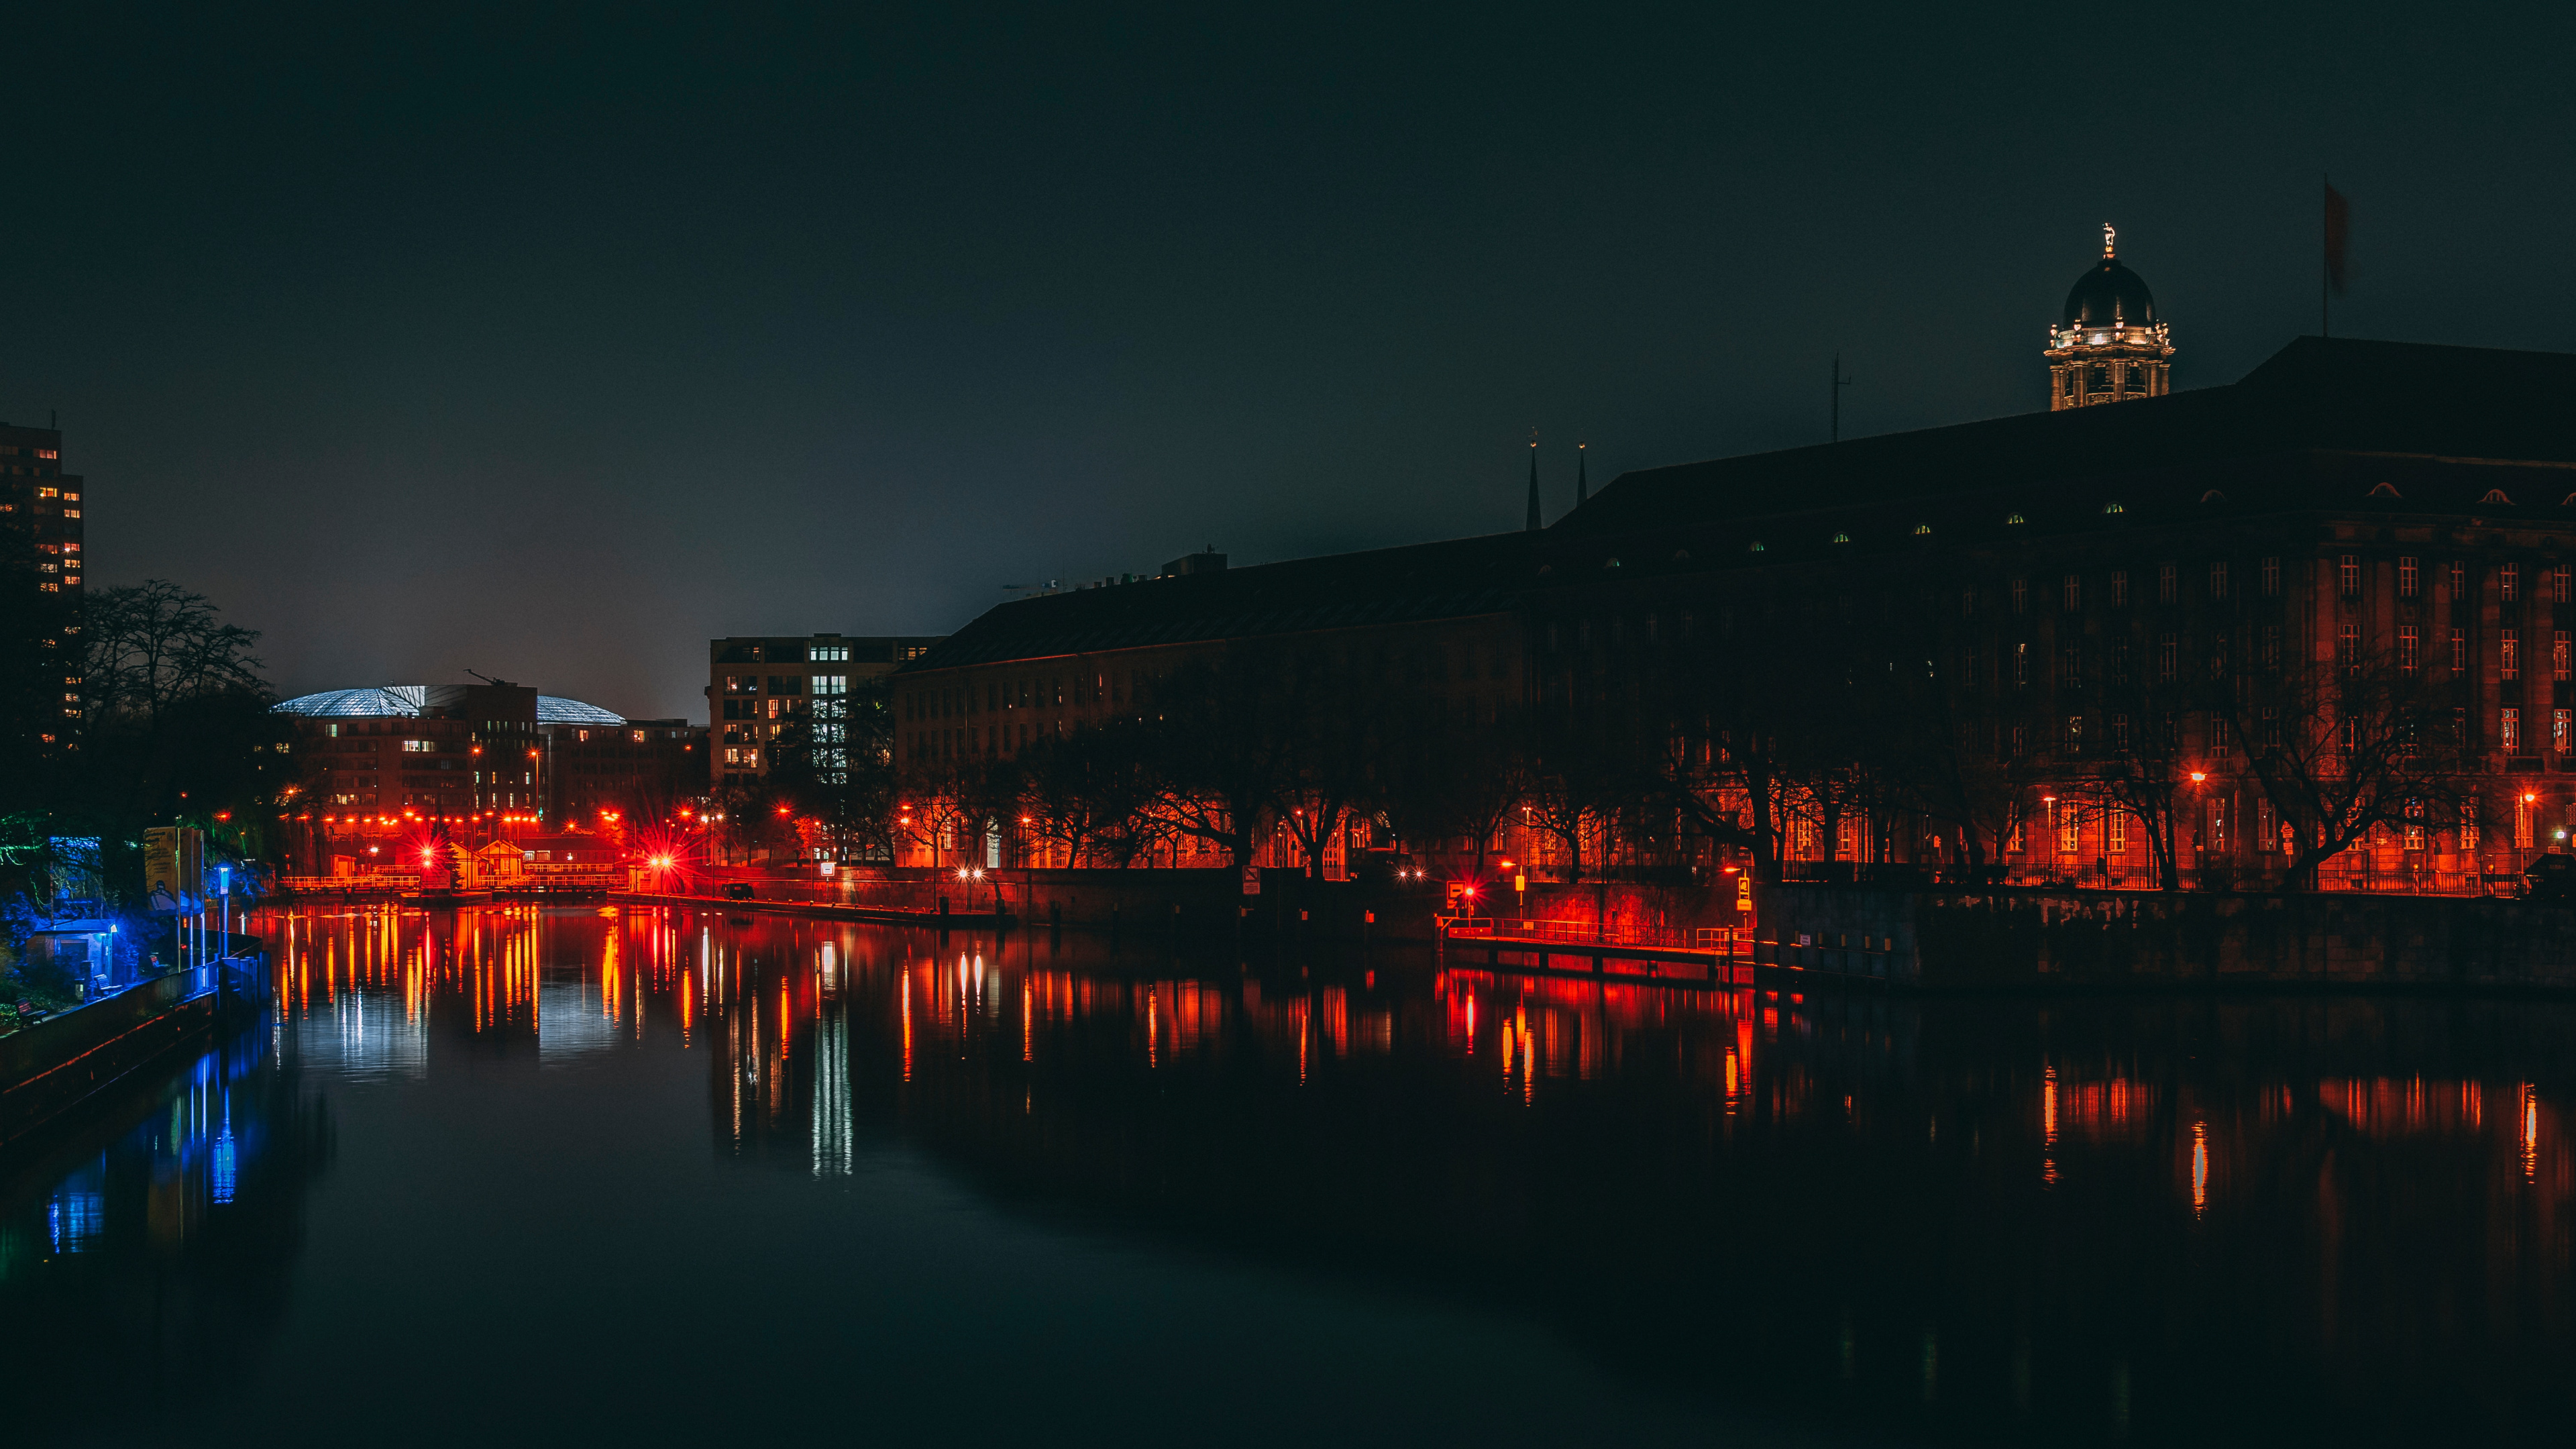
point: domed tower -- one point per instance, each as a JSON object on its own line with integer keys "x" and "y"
{"x": 2109, "y": 347}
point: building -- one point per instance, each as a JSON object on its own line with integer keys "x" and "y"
{"x": 46, "y": 504}
{"x": 2181, "y": 639}
{"x": 474, "y": 763}
{"x": 1405, "y": 640}
{"x": 2212, "y": 594}
{"x": 2108, "y": 344}
{"x": 645, "y": 769}
{"x": 816, "y": 685}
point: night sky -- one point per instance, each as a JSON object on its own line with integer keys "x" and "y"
{"x": 426, "y": 339}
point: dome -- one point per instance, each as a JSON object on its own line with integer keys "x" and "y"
{"x": 2110, "y": 293}
{"x": 401, "y": 701}
{"x": 405, "y": 701}
{"x": 555, "y": 709}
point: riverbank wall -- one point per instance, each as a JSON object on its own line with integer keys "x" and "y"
{"x": 48, "y": 1067}
{"x": 1203, "y": 903}
{"x": 1942, "y": 938}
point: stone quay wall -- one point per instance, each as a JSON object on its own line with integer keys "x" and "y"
{"x": 1937, "y": 937}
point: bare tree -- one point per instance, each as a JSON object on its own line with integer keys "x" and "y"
{"x": 154, "y": 644}
{"x": 2346, "y": 747}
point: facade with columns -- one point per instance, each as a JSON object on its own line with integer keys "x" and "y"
{"x": 2108, "y": 345}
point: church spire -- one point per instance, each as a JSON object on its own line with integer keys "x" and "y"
{"x": 1533, "y": 525}
{"x": 1582, "y": 484}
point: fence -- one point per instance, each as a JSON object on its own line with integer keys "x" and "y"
{"x": 1730, "y": 939}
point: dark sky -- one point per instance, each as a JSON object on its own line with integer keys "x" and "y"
{"x": 427, "y": 338}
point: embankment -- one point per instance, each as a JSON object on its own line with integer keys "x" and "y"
{"x": 1938, "y": 938}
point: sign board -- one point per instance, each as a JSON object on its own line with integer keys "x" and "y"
{"x": 174, "y": 870}
{"x": 1252, "y": 880}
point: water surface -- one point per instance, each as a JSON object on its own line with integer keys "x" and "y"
{"x": 503, "y": 1175}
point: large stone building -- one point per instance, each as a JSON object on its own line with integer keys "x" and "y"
{"x": 2060, "y": 614}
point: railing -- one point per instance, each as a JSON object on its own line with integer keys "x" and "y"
{"x": 548, "y": 880}
{"x": 1732, "y": 940}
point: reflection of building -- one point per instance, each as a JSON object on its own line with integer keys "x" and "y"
{"x": 2108, "y": 345}
{"x": 39, "y": 502}
{"x": 757, "y": 687}
{"x": 476, "y": 761}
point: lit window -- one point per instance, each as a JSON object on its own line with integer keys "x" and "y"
{"x": 48, "y": 453}
{"x": 2407, "y": 643}
{"x": 2406, "y": 581}
{"x": 417, "y": 747}
{"x": 2509, "y": 732}
{"x": 49, "y": 493}
{"x": 2509, "y": 582}
{"x": 2512, "y": 647}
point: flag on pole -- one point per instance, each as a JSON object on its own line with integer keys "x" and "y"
{"x": 2338, "y": 235}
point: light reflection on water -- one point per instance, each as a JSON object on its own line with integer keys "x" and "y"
{"x": 1795, "y": 1216}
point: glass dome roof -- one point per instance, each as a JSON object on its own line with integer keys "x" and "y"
{"x": 405, "y": 701}
{"x": 372, "y": 702}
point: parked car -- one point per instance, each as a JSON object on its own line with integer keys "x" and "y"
{"x": 2550, "y": 878}
{"x": 739, "y": 890}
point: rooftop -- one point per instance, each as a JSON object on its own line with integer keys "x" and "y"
{"x": 2365, "y": 400}
{"x": 1426, "y": 581}
{"x": 407, "y": 701}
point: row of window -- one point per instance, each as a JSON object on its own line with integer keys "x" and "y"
{"x": 788, "y": 684}
{"x": 1030, "y": 693}
{"x": 2168, "y": 587}
{"x": 2553, "y": 579}
{"x": 990, "y": 739}
{"x": 2410, "y": 656}
{"x": 2554, "y": 583}
{"x": 2011, "y": 741}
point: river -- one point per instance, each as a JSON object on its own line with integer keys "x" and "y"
{"x": 588, "y": 1175}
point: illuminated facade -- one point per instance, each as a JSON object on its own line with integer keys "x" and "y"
{"x": 2108, "y": 346}
{"x": 760, "y": 685}
{"x": 472, "y": 762}
{"x": 2082, "y": 597}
